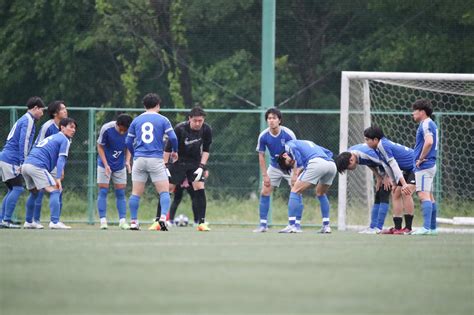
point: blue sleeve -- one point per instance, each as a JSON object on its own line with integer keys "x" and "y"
{"x": 60, "y": 166}
{"x": 22, "y": 141}
{"x": 130, "y": 138}
{"x": 173, "y": 140}
{"x": 261, "y": 143}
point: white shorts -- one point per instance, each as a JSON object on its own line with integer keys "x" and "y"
{"x": 9, "y": 171}
{"x": 319, "y": 171}
{"x": 424, "y": 179}
{"x": 276, "y": 176}
{"x": 36, "y": 177}
{"x": 118, "y": 177}
{"x": 143, "y": 166}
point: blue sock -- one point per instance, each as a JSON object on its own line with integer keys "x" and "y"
{"x": 427, "y": 209}
{"x": 4, "y": 204}
{"x": 324, "y": 204}
{"x": 133, "y": 204}
{"x": 121, "y": 203}
{"x": 11, "y": 202}
{"x": 61, "y": 202}
{"x": 102, "y": 202}
{"x": 30, "y": 207}
{"x": 434, "y": 214}
{"x": 299, "y": 211}
{"x": 263, "y": 209}
{"x": 374, "y": 214}
{"x": 54, "y": 205}
{"x": 383, "y": 209}
{"x": 165, "y": 201}
{"x": 293, "y": 205}
{"x": 38, "y": 205}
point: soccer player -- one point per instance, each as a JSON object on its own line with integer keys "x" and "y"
{"x": 112, "y": 164}
{"x": 47, "y": 155}
{"x": 17, "y": 147}
{"x": 314, "y": 166}
{"x": 397, "y": 157}
{"x": 57, "y": 111}
{"x": 362, "y": 154}
{"x": 274, "y": 139}
{"x": 426, "y": 147}
{"x": 194, "y": 142}
{"x": 145, "y": 143}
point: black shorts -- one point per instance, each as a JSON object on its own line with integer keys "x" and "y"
{"x": 180, "y": 171}
{"x": 409, "y": 178}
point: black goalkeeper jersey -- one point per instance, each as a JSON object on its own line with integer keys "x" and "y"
{"x": 191, "y": 143}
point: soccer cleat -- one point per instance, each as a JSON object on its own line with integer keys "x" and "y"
{"x": 261, "y": 229}
{"x": 434, "y": 232}
{"x": 388, "y": 231}
{"x": 421, "y": 231}
{"x": 203, "y": 227}
{"x": 58, "y": 226}
{"x": 104, "y": 226}
{"x": 155, "y": 226}
{"x": 298, "y": 229}
{"x": 9, "y": 225}
{"x": 288, "y": 229}
{"x": 124, "y": 226}
{"x": 403, "y": 231}
{"x": 369, "y": 230}
{"x": 163, "y": 226}
{"x": 325, "y": 229}
{"x": 33, "y": 226}
{"x": 134, "y": 225}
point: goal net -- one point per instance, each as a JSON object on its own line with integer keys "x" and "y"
{"x": 385, "y": 99}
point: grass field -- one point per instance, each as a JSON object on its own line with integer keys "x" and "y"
{"x": 233, "y": 271}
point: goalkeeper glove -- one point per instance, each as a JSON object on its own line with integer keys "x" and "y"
{"x": 199, "y": 172}
{"x": 168, "y": 165}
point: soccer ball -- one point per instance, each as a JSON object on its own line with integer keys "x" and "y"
{"x": 181, "y": 220}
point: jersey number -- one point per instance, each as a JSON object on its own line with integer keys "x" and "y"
{"x": 117, "y": 153}
{"x": 147, "y": 132}
{"x": 43, "y": 142}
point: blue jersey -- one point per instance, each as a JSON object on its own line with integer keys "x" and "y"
{"x": 49, "y": 128}
{"x": 19, "y": 140}
{"x": 388, "y": 151}
{"x": 275, "y": 144}
{"x": 147, "y": 132}
{"x": 46, "y": 153}
{"x": 114, "y": 146}
{"x": 427, "y": 127}
{"x": 303, "y": 150}
{"x": 366, "y": 155}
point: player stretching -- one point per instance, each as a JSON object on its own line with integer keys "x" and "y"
{"x": 314, "y": 166}
{"x": 111, "y": 163}
{"x": 362, "y": 154}
{"x": 47, "y": 155}
{"x": 426, "y": 148}
{"x": 145, "y": 143}
{"x": 17, "y": 147}
{"x": 57, "y": 111}
{"x": 273, "y": 138}
{"x": 397, "y": 157}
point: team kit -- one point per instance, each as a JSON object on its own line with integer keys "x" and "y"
{"x": 175, "y": 159}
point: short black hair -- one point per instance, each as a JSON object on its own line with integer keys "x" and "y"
{"x": 282, "y": 163}
{"x": 196, "y": 111}
{"x": 151, "y": 100}
{"x": 66, "y": 121}
{"x": 124, "y": 120}
{"x": 342, "y": 161}
{"x": 35, "y": 101}
{"x": 374, "y": 132}
{"x": 423, "y": 104}
{"x": 274, "y": 111}
{"x": 53, "y": 108}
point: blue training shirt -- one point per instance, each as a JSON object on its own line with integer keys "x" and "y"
{"x": 426, "y": 127}
{"x": 388, "y": 151}
{"x": 145, "y": 135}
{"x": 114, "y": 146}
{"x": 367, "y": 156}
{"x": 19, "y": 140}
{"x": 49, "y": 128}
{"x": 303, "y": 150}
{"x": 46, "y": 153}
{"x": 275, "y": 144}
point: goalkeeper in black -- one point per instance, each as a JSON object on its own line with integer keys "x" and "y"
{"x": 194, "y": 139}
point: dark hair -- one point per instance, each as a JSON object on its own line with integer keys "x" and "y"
{"x": 151, "y": 100}
{"x": 34, "y": 101}
{"x": 54, "y": 107}
{"x": 342, "y": 161}
{"x": 66, "y": 121}
{"x": 196, "y": 111}
{"x": 124, "y": 120}
{"x": 423, "y": 104}
{"x": 373, "y": 132}
{"x": 274, "y": 111}
{"x": 282, "y": 163}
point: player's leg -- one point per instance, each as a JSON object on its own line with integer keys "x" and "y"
{"x": 294, "y": 204}
{"x": 157, "y": 169}
{"x": 397, "y": 210}
{"x": 16, "y": 187}
{"x": 424, "y": 187}
{"x": 374, "y": 213}
{"x": 4, "y": 204}
{"x": 408, "y": 203}
{"x": 177, "y": 198}
{"x": 200, "y": 202}
{"x": 38, "y": 206}
{"x": 434, "y": 215}
{"x": 323, "y": 173}
{"x": 30, "y": 203}
{"x": 384, "y": 196}
{"x": 139, "y": 177}
{"x": 103, "y": 184}
{"x": 119, "y": 179}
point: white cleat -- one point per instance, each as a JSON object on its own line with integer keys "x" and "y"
{"x": 134, "y": 225}
{"x": 288, "y": 229}
{"x": 59, "y": 226}
{"x": 326, "y": 229}
{"x": 261, "y": 229}
{"x": 33, "y": 226}
{"x": 370, "y": 231}
{"x": 298, "y": 229}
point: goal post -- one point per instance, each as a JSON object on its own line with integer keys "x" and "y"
{"x": 385, "y": 98}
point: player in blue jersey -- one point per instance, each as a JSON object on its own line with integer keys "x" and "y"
{"x": 57, "y": 111}
{"x": 397, "y": 157}
{"x": 362, "y": 154}
{"x": 15, "y": 150}
{"x": 47, "y": 155}
{"x": 113, "y": 163}
{"x": 313, "y": 165}
{"x": 426, "y": 148}
{"x": 145, "y": 142}
{"x": 274, "y": 139}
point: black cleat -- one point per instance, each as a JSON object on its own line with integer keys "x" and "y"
{"x": 163, "y": 226}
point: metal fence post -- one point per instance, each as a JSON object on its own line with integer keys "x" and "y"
{"x": 91, "y": 153}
